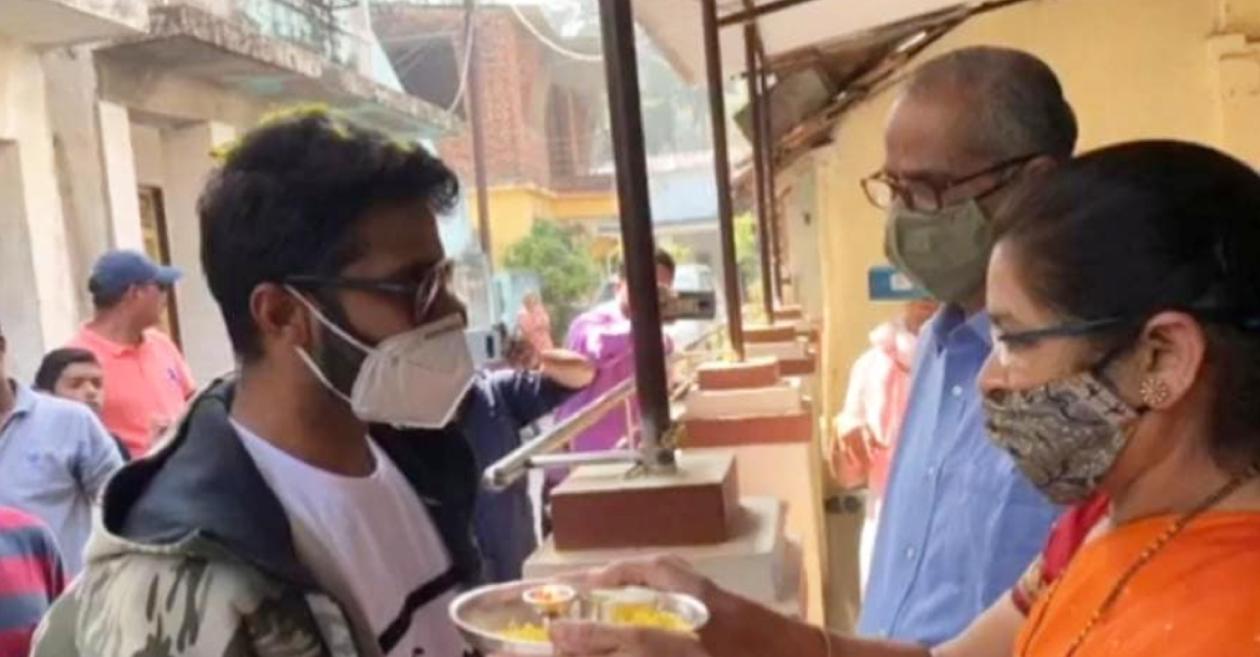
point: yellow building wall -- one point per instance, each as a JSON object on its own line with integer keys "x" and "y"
{"x": 584, "y": 206}
{"x": 512, "y": 213}
{"x": 1131, "y": 68}
{"x": 514, "y": 209}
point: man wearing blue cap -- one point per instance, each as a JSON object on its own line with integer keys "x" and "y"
{"x": 147, "y": 381}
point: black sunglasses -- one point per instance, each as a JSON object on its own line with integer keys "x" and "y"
{"x": 424, "y": 294}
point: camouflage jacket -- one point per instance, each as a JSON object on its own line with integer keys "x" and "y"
{"x": 193, "y": 556}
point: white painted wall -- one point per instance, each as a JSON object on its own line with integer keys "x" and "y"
{"x": 19, "y": 310}
{"x": 37, "y": 292}
{"x": 146, "y": 146}
{"x": 96, "y": 171}
{"x": 70, "y": 87}
{"x": 120, "y": 184}
{"x": 186, "y": 152}
{"x": 802, "y": 213}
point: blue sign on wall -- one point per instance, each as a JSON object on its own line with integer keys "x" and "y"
{"x": 885, "y": 283}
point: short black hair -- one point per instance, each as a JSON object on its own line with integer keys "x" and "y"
{"x": 56, "y": 362}
{"x": 664, "y": 259}
{"x": 287, "y": 196}
{"x": 101, "y": 300}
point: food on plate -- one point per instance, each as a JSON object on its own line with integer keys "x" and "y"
{"x": 549, "y": 594}
{"x": 631, "y": 606}
{"x": 631, "y": 615}
{"x": 525, "y": 633}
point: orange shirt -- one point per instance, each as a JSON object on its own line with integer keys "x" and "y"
{"x": 1197, "y": 597}
{"x": 146, "y": 385}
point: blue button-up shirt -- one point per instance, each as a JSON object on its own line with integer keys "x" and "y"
{"x": 959, "y": 523}
{"x": 55, "y": 457}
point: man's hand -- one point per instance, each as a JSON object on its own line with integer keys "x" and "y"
{"x": 158, "y": 426}
{"x": 848, "y": 456}
{"x": 577, "y": 639}
{"x": 519, "y": 353}
{"x": 663, "y": 573}
{"x": 567, "y": 368}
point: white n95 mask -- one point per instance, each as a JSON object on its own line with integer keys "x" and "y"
{"x": 412, "y": 380}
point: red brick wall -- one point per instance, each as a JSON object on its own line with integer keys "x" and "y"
{"x": 514, "y": 83}
{"x": 517, "y": 96}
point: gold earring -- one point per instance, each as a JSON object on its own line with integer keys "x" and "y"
{"x": 1155, "y": 392}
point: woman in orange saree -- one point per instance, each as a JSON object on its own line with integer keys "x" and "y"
{"x": 1200, "y": 598}
{"x": 1124, "y": 293}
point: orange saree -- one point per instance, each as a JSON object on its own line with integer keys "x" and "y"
{"x": 1199, "y": 596}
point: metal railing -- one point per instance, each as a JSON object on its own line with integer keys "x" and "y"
{"x": 540, "y": 452}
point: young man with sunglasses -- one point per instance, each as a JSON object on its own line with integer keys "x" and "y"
{"x": 147, "y": 381}
{"x": 959, "y": 523}
{"x": 318, "y": 502}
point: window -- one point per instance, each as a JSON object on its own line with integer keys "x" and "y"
{"x": 158, "y": 247}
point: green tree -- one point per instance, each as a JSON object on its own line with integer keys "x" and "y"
{"x": 748, "y": 256}
{"x": 566, "y": 269}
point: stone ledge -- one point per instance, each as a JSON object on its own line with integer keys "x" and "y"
{"x": 751, "y": 373}
{"x": 234, "y": 54}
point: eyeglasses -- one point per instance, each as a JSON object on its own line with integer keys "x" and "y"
{"x": 884, "y": 190}
{"x": 1065, "y": 330}
{"x": 1246, "y": 321}
{"x": 424, "y": 294}
{"x": 1006, "y": 344}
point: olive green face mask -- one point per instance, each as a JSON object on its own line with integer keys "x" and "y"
{"x": 944, "y": 252}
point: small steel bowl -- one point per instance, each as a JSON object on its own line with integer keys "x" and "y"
{"x": 482, "y": 613}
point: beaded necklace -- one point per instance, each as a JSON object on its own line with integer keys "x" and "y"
{"x": 1147, "y": 554}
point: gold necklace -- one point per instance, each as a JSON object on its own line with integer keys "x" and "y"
{"x": 1145, "y": 557}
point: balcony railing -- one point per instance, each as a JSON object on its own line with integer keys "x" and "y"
{"x": 336, "y": 29}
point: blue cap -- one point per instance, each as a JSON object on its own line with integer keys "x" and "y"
{"x": 116, "y": 271}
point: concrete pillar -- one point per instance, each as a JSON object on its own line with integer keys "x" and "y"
{"x": 19, "y": 310}
{"x": 357, "y": 22}
{"x": 37, "y": 297}
{"x": 120, "y": 183}
{"x": 800, "y": 212}
{"x": 95, "y": 164}
{"x": 187, "y": 154}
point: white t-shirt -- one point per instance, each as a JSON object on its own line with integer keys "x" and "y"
{"x": 371, "y": 540}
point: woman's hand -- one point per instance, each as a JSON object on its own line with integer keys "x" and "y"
{"x": 581, "y": 639}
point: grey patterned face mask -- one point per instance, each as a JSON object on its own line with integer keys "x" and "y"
{"x": 1064, "y": 436}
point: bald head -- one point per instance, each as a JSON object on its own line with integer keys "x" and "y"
{"x": 1005, "y": 103}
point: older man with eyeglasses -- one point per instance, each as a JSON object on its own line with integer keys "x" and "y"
{"x": 959, "y": 524}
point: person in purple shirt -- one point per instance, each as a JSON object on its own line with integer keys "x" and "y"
{"x": 603, "y": 335}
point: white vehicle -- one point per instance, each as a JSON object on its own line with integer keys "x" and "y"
{"x": 694, "y": 277}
